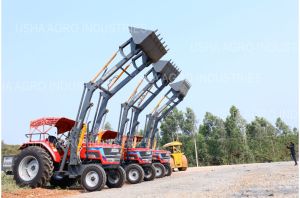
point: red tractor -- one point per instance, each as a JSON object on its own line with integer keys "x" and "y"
{"x": 137, "y": 161}
{"x": 42, "y": 155}
{"x": 73, "y": 152}
{"x": 160, "y": 158}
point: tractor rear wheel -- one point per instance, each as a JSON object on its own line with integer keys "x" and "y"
{"x": 63, "y": 182}
{"x": 168, "y": 169}
{"x": 149, "y": 173}
{"x": 115, "y": 177}
{"x": 93, "y": 177}
{"x": 182, "y": 169}
{"x": 134, "y": 173}
{"x": 160, "y": 170}
{"x": 33, "y": 167}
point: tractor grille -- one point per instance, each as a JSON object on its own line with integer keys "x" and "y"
{"x": 165, "y": 156}
{"x": 112, "y": 154}
{"x": 146, "y": 155}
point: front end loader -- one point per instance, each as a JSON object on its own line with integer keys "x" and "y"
{"x": 173, "y": 97}
{"x": 138, "y": 161}
{"x": 78, "y": 155}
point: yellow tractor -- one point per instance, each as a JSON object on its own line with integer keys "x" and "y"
{"x": 178, "y": 159}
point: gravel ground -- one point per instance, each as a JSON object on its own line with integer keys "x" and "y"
{"x": 278, "y": 179}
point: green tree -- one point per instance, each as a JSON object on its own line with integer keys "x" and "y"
{"x": 202, "y": 150}
{"x": 230, "y": 141}
{"x": 188, "y": 148}
{"x": 261, "y": 136}
{"x": 237, "y": 147}
{"x": 284, "y": 136}
{"x": 189, "y": 135}
{"x": 170, "y": 126}
{"x": 295, "y": 130}
{"x": 282, "y": 127}
{"x": 107, "y": 126}
{"x": 189, "y": 122}
{"x": 214, "y": 133}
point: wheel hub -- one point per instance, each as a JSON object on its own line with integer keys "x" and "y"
{"x": 158, "y": 171}
{"x": 133, "y": 175}
{"x": 92, "y": 178}
{"x": 148, "y": 173}
{"x": 28, "y": 168}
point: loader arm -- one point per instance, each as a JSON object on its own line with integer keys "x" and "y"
{"x": 177, "y": 91}
{"x": 156, "y": 121}
{"x": 143, "y": 44}
{"x": 163, "y": 71}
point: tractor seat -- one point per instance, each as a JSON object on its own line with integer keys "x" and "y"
{"x": 52, "y": 139}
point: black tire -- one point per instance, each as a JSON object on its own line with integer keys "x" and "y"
{"x": 182, "y": 169}
{"x": 115, "y": 177}
{"x": 160, "y": 170}
{"x": 168, "y": 169}
{"x": 149, "y": 172}
{"x": 91, "y": 173}
{"x": 134, "y": 173}
{"x": 63, "y": 182}
{"x": 40, "y": 164}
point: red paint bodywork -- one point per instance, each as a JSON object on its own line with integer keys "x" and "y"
{"x": 56, "y": 156}
{"x": 157, "y": 157}
{"x": 63, "y": 125}
{"x": 133, "y": 152}
{"x": 48, "y": 146}
{"x": 95, "y": 148}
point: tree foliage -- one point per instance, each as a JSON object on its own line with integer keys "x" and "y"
{"x": 228, "y": 141}
{"x": 170, "y": 126}
{"x": 107, "y": 126}
{"x": 213, "y": 134}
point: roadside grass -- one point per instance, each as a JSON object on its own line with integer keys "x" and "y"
{"x": 8, "y": 184}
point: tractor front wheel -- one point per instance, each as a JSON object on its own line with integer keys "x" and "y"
{"x": 182, "y": 169}
{"x": 134, "y": 173}
{"x": 160, "y": 170}
{"x": 149, "y": 173}
{"x": 33, "y": 167}
{"x": 115, "y": 177}
{"x": 93, "y": 177}
{"x": 168, "y": 169}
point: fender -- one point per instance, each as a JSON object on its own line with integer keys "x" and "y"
{"x": 48, "y": 147}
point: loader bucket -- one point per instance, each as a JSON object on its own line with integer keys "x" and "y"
{"x": 182, "y": 87}
{"x": 168, "y": 71}
{"x": 149, "y": 43}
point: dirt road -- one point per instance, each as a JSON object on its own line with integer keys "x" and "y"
{"x": 278, "y": 179}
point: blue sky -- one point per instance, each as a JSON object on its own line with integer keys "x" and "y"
{"x": 241, "y": 53}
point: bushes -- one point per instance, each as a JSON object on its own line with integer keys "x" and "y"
{"x": 7, "y": 149}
